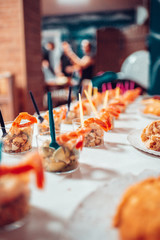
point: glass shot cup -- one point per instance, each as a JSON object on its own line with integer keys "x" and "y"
{"x": 14, "y": 201}
{"x": 63, "y": 160}
{"x": 44, "y": 126}
{"x": 70, "y": 115}
{"x": 17, "y": 139}
{"x": 95, "y": 137}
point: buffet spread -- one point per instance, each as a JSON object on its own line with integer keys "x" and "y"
{"x": 99, "y": 181}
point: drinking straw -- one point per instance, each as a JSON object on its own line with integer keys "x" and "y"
{"x": 69, "y": 98}
{"x": 91, "y": 103}
{"x": 2, "y": 125}
{"x": 80, "y": 90}
{"x": 81, "y": 110}
{"x": 106, "y": 99}
{"x": 0, "y": 150}
{"x": 41, "y": 119}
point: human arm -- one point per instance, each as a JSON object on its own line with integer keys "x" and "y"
{"x": 81, "y": 62}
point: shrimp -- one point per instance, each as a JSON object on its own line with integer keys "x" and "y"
{"x": 24, "y": 116}
{"x": 85, "y": 107}
{"x": 32, "y": 162}
{"x": 106, "y": 117}
{"x": 97, "y": 99}
{"x": 63, "y": 111}
{"x": 130, "y": 95}
{"x": 98, "y": 121}
{"x": 74, "y": 138}
{"x": 58, "y": 116}
{"x": 113, "y": 111}
{"x": 118, "y": 103}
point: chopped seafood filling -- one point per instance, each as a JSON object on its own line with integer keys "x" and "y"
{"x": 94, "y": 137}
{"x": 19, "y": 140}
{"x": 61, "y": 160}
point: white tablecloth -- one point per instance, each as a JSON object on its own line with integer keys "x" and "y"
{"x": 54, "y": 207}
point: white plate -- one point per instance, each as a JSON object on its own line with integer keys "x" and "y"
{"x": 93, "y": 218}
{"x": 134, "y": 138}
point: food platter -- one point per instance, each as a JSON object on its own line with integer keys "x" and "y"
{"x": 93, "y": 218}
{"x": 134, "y": 138}
{"x": 147, "y": 115}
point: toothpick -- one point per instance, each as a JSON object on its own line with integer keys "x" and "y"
{"x": 91, "y": 103}
{"x": 117, "y": 92}
{"x": 90, "y": 88}
{"x": 95, "y": 91}
{"x": 106, "y": 99}
{"x": 81, "y": 110}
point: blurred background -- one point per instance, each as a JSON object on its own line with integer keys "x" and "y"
{"x": 49, "y": 45}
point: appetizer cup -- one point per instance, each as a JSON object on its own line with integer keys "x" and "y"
{"x": 44, "y": 126}
{"x": 15, "y": 190}
{"x": 62, "y": 160}
{"x": 17, "y": 139}
{"x": 14, "y": 201}
{"x": 70, "y": 115}
{"x": 95, "y": 137}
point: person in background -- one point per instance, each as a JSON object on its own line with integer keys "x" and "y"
{"x": 85, "y": 64}
{"x": 47, "y": 67}
{"x": 65, "y": 62}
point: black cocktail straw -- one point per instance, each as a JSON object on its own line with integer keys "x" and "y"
{"x": 69, "y": 98}
{"x": 2, "y": 125}
{"x": 79, "y": 91}
{"x": 36, "y": 107}
{"x": 0, "y": 150}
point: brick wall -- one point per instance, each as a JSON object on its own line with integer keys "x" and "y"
{"x": 20, "y": 51}
{"x": 32, "y": 21}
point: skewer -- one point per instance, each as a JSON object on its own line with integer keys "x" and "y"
{"x": 95, "y": 91}
{"x": 90, "y": 88}
{"x": 81, "y": 110}
{"x": 91, "y": 103}
{"x": 117, "y": 92}
{"x": 106, "y": 99}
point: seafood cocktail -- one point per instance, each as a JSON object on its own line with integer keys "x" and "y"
{"x": 65, "y": 158}
{"x": 59, "y": 115}
{"x": 19, "y": 134}
{"x": 14, "y": 188}
{"x": 97, "y": 126}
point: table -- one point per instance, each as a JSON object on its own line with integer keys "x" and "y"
{"x": 53, "y": 209}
